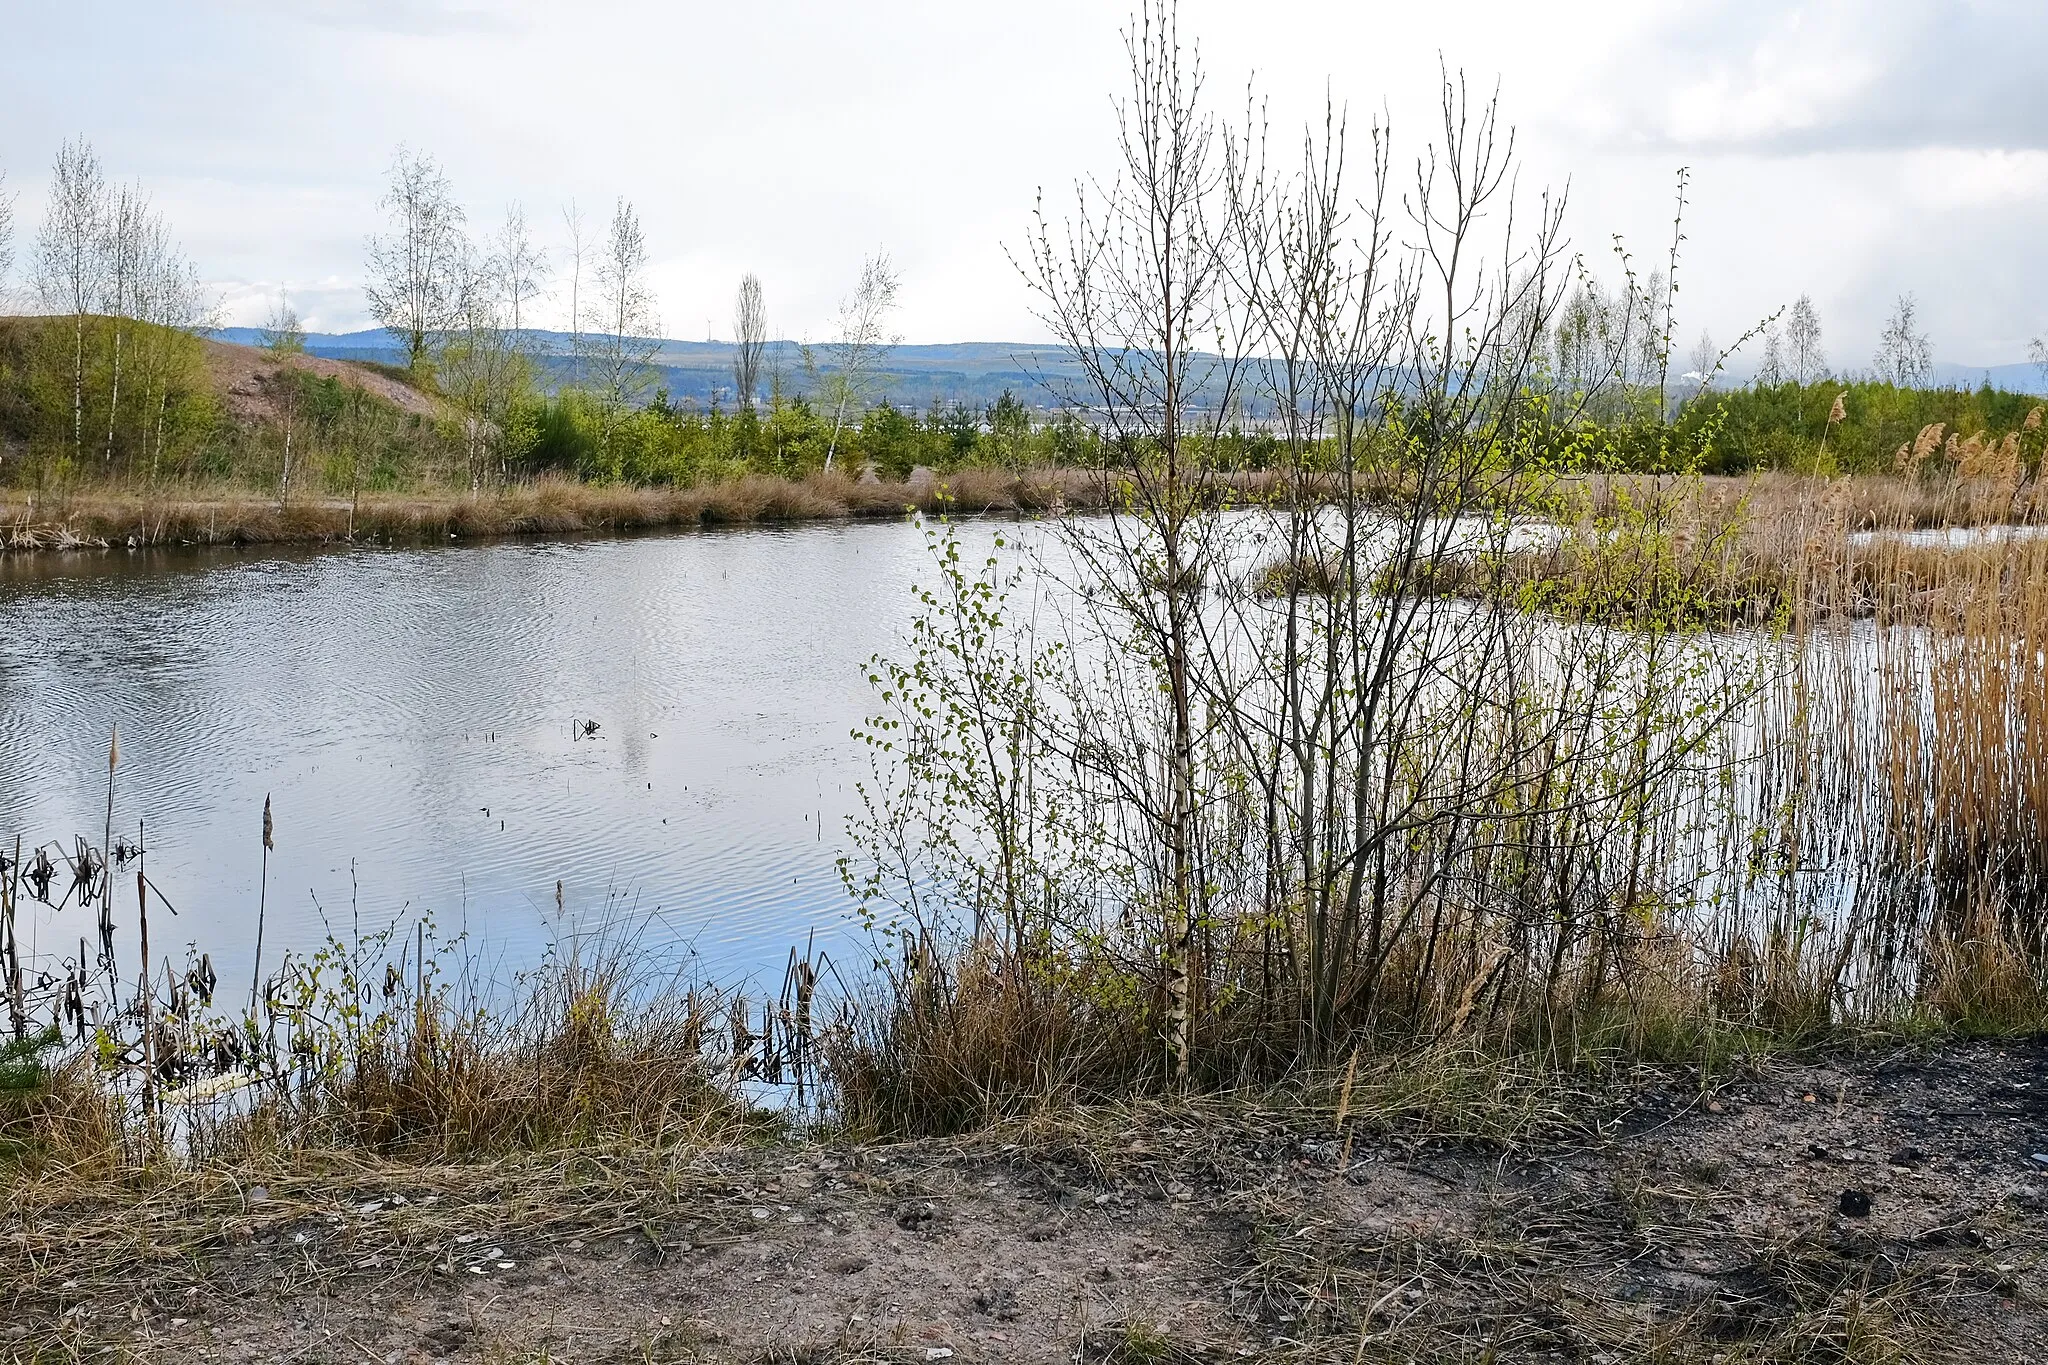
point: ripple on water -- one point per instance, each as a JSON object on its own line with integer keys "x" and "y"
{"x": 409, "y": 712}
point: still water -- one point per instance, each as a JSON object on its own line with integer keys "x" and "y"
{"x": 415, "y": 717}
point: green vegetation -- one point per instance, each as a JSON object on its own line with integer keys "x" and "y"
{"x": 1788, "y": 427}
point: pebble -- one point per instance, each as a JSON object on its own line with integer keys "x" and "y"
{"x": 2041, "y": 1158}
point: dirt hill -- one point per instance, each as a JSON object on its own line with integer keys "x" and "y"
{"x": 239, "y": 374}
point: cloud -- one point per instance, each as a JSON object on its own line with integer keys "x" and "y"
{"x": 1772, "y": 79}
{"x": 410, "y": 18}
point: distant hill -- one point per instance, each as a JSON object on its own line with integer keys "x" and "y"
{"x": 2024, "y": 378}
{"x": 974, "y": 373}
{"x": 971, "y": 372}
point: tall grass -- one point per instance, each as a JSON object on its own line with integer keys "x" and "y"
{"x": 1761, "y": 774}
{"x": 1767, "y": 774}
{"x": 384, "y": 1046}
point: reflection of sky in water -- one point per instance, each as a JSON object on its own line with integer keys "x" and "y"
{"x": 411, "y": 714}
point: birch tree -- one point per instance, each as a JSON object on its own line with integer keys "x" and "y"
{"x": 484, "y": 366}
{"x": 1905, "y": 357}
{"x": 127, "y": 216}
{"x": 520, "y": 265}
{"x": 750, "y": 339}
{"x": 413, "y": 290}
{"x": 68, "y": 258}
{"x": 623, "y": 336}
{"x": 6, "y": 234}
{"x": 863, "y": 340}
{"x": 572, "y": 220}
{"x": 284, "y": 337}
{"x": 1805, "y": 362}
{"x": 171, "y": 301}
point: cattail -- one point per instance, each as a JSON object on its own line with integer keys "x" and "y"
{"x": 262, "y": 904}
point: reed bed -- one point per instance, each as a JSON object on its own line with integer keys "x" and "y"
{"x": 1760, "y": 774}
{"x": 545, "y": 507}
{"x": 1814, "y": 811}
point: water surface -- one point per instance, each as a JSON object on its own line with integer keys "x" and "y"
{"x": 415, "y": 717}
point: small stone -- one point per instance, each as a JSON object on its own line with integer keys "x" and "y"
{"x": 1855, "y": 1204}
{"x": 2041, "y": 1158}
{"x": 938, "y": 1353}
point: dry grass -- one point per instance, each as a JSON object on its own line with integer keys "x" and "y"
{"x": 547, "y": 507}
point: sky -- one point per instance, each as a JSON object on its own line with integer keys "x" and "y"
{"x": 1853, "y": 150}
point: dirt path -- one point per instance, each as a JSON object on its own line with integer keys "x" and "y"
{"x": 1723, "y": 1228}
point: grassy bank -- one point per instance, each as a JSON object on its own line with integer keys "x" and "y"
{"x": 545, "y": 507}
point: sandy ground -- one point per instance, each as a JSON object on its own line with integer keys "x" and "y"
{"x": 1883, "y": 1208}
{"x": 238, "y": 373}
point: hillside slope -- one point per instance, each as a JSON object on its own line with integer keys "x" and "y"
{"x": 242, "y": 379}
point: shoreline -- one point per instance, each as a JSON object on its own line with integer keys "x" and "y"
{"x": 1859, "y": 506}
{"x": 108, "y": 521}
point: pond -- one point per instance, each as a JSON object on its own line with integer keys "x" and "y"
{"x": 419, "y": 719}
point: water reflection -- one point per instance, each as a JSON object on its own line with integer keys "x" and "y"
{"x": 417, "y": 716}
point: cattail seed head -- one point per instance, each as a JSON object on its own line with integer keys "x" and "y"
{"x": 114, "y": 749}
{"x": 266, "y": 823}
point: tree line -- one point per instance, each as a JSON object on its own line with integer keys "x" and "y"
{"x": 111, "y": 382}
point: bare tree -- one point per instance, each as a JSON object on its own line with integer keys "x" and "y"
{"x": 6, "y": 235}
{"x": 1905, "y": 357}
{"x": 1805, "y": 361}
{"x": 1771, "y": 369}
{"x": 414, "y": 287}
{"x": 863, "y": 339}
{"x": 1704, "y": 362}
{"x": 171, "y": 300}
{"x": 1805, "y": 357}
{"x": 284, "y": 337}
{"x": 1265, "y": 755}
{"x": 572, "y": 219}
{"x": 1138, "y": 290}
{"x": 623, "y": 339}
{"x": 68, "y": 257}
{"x": 2039, "y": 351}
{"x": 520, "y": 266}
{"x": 124, "y": 228}
{"x": 282, "y": 332}
{"x": 750, "y": 339}
{"x": 485, "y": 364}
